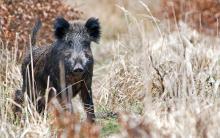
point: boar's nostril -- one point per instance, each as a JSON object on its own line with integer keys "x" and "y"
{"x": 78, "y": 70}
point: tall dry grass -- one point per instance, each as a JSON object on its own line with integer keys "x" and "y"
{"x": 112, "y": 18}
{"x": 166, "y": 82}
{"x": 202, "y": 15}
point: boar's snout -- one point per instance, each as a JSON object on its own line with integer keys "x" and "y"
{"x": 78, "y": 70}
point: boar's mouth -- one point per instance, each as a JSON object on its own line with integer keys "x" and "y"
{"x": 73, "y": 77}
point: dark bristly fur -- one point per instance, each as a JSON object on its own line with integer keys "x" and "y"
{"x": 70, "y": 49}
{"x": 36, "y": 28}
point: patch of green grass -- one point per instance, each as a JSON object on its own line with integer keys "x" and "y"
{"x": 109, "y": 126}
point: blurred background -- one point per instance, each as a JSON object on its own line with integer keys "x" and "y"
{"x": 113, "y": 13}
{"x": 17, "y": 16}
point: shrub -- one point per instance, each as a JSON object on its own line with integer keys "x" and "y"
{"x": 18, "y": 17}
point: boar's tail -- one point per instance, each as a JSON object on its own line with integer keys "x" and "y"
{"x": 35, "y": 29}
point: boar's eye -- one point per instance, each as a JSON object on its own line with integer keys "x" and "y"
{"x": 70, "y": 43}
{"x": 67, "y": 54}
{"x": 85, "y": 44}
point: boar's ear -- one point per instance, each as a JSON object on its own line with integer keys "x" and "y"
{"x": 93, "y": 27}
{"x": 61, "y": 27}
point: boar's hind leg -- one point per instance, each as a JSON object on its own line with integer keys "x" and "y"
{"x": 86, "y": 96}
{"x": 18, "y": 98}
{"x": 41, "y": 104}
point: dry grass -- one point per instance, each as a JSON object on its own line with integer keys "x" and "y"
{"x": 174, "y": 74}
{"x": 202, "y": 15}
{"x": 162, "y": 84}
{"x": 113, "y": 19}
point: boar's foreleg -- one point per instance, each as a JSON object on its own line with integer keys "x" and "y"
{"x": 86, "y": 96}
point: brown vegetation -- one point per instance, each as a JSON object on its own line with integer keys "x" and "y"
{"x": 18, "y": 17}
{"x": 69, "y": 125}
{"x": 203, "y": 15}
